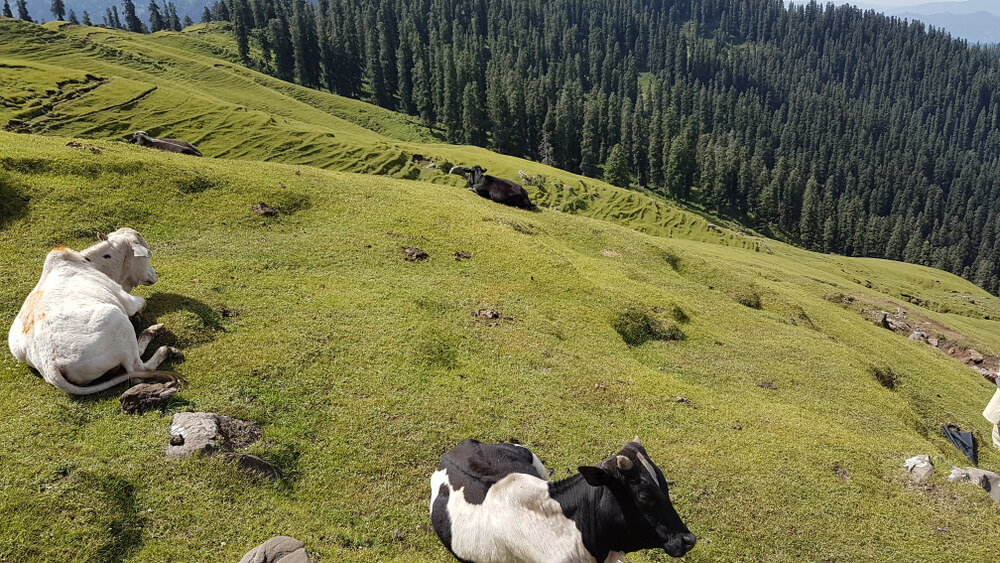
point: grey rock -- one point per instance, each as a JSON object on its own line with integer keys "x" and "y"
{"x": 975, "y": 357}
{"x": 918, "y": 336}
{"x": 989, "y": 481}
{"x": 193, "y": 432}
{"x": 145, "y": 397}
{"x": 920, "y": 468}
{"x": 281, "y": 549}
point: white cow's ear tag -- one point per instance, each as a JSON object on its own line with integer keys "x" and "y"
{"x": 140, "y": 250}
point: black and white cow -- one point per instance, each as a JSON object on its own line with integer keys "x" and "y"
{"x": 493, "y": 503}
{"x": 493, "y": 188}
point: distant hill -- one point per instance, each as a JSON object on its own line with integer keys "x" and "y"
{"x": 977, "y": 21}
{"x": 976, "y": 27}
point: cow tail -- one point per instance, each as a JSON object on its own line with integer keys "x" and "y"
{"x": 54, "y": 376}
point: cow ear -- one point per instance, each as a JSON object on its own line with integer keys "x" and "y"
{"x": 102, "y": 236}
{"x": 484, "y": 171}
{"x": 139, "y": 250}
{"x": 595, "y": 476}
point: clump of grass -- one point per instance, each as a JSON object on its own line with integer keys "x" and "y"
{"x": 637, "y": 324}
{"x": 748, "y": 297}
{"x": 672, "y": 259}
{"x": 886, "y": 377}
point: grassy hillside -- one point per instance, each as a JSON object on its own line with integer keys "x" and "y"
{"x": 99, "y": 83}
{"x": 362, "y": 368}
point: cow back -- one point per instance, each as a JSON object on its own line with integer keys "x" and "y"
{"x": 474, "y": 466}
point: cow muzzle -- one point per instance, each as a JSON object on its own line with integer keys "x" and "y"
{"x": 679, "y": 544}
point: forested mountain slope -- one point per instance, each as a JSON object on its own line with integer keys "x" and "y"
{"x": 844, "y": 131}
{"x": 750, "y": 369}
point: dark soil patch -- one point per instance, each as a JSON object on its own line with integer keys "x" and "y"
{"x": 462, "y": 255}
{"x": 238, "y": 434}
{"x": 412, "y": 254}
{"x": 767, "y": 385}
{"x": 264, "y": 210}
{"x": 490, "y": 315}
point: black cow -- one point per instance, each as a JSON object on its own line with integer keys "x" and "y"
{"x": 497, "y": 189}
{"x": 143, "y": 139}
{"x": 493, "y": 503}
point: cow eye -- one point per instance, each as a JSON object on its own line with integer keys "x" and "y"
{"x": 107, "y": 256}
{"x": 646, "y": 498}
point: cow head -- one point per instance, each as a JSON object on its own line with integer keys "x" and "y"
{"x": 135, "y": 255}
{"x": 641, "y": 491}
{"x": 141, "y": 138}
{"x": 476, "y": 174}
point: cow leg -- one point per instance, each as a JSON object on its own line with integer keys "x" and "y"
{"x": 162, "y": 354}
{"x": 146, "y": 336}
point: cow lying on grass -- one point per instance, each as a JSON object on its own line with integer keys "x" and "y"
{"x": 143, "y": 139}
{"x": 74, "y": 326}
{"x": 493, "y": 503}
{"x": 496, "y": 189}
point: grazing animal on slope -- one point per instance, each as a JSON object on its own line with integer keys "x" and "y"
{"x": 143, "y": 139}
{"x": 497, "y": 189}
{"x": 74, "y": 326}
{"x": 493, "y": 503}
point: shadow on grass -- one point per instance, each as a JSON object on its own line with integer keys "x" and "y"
{"x": 13, "y": 203}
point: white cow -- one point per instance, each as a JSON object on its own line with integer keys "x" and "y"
{"x": 74, "y": 326}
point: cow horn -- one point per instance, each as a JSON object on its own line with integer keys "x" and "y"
{"x": 623, "y": 463}
{"x": 102, "y": 236}
{"x": 636, "y": 440}
{"x": 458, "y": 170}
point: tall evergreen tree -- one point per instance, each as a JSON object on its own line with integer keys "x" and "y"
{"x": 474, "y": 125}
{"x": 132, "y": 22}
{"x": 616, "y": 171}
{"x": 156, "y": 21}
{"x": 58, "y": 9}
{"x": 281, "y": 44}
{"x": 22, "y": 11}
{"x": 7, "y": 13}
{"x": 173, "y": 22}
{"x": 72, "y": 18}
{"x": 86, "y": 19}
{"x": 206, "y": 15}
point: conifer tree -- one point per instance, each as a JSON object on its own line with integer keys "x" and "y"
{"x": 616, "y": 170}
{"x": 474, "y": 124}
{"x": 156, "y": 22}
{"x": 188, "y": 22}
{"x": 58, "y": 9}
{"x": 6, "y": 10}
{"x": 173, "y": 22}
{"x": 22, "y": 11}
{"x": 71, "y": 18}
{"x": 86, "y": 19}
{"x": 281, "y": 44}
{"x": 206, "y": 15}
{"x": 132, "y": 22}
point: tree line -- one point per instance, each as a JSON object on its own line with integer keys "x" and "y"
{"x": 838, "y": 129}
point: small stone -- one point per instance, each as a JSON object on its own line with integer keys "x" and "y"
{"x": 933, "y": 342}
{"x": 918, "y": 336}
{"x": 975, "y": 357}
{"x": 684, "y": 401}
{"x": 279, "y": 549}
{"x": 145, "y": 397}
{"x": 736, "y": 427}
{"x": 920, "y": 468}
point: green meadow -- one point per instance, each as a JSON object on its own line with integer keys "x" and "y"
{"x": 362, "y": 368}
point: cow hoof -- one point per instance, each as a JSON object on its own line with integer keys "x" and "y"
{"x": 175, "y": 354}
{"x": 155, "y": 329}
